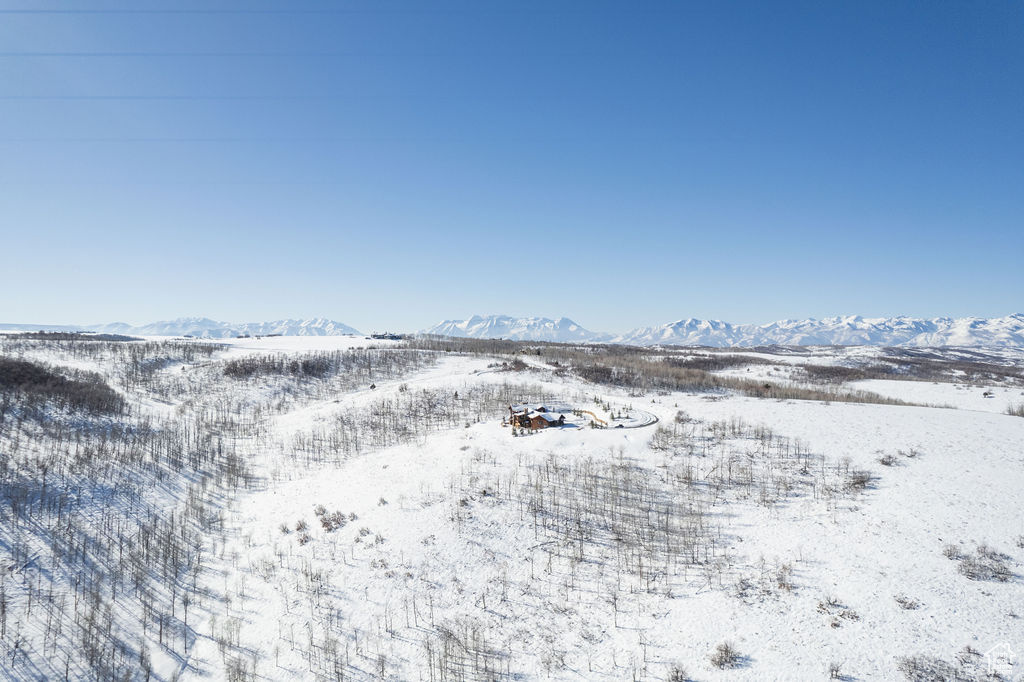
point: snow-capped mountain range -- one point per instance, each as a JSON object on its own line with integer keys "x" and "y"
{"x": 851, "y": 330}
{"x": 205, "y": 328}
{"x": 516, "y": 328}
{"x": 845, "y": 331}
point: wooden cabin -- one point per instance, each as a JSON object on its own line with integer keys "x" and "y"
{"x": 542, "y": 420}
{"x": 534, "y": 417}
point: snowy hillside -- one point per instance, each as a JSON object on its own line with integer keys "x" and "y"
{"x": 315, "y": 509}
{"x": 516, "y": 328}
{"x": 844, "y": 331}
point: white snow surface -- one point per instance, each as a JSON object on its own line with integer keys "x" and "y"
{"x": 439, "y": 549}
{"x": 961, "y": 396}
{"x": 963, "y": 489}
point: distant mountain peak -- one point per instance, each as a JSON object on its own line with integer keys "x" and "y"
{"x": 204, "y": 327}
{"x": 844, "y": 330}
{"x": 515, "y": 328}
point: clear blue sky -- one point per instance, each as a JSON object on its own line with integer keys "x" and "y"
{"x": 390, "y": 164}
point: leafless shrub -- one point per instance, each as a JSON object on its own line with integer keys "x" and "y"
{"x": 984, "y": 550}
{"x": 516, "y": 365}
{"x": 968, "y": 655}
{"x": 907, "y": 603}
{"x": 677, "y": 673}
{"x": 888, "y": 459}
{"x": 784, "y": 577}
{"x": 332, "y": 522}
{"x": 859, "y": 480}
{"x": 725, "y": 655}
{"x": 952, "y": 552}
{"x": 986, "y": 564}
{"x": 832, "y": 605}
{"x": 923, "y": 668}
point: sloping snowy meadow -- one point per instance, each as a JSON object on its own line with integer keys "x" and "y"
{"x": 336, "y": 508}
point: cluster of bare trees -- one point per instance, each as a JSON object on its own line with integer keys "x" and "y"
{"x": 105, "y": 515}
{"x": 357, "y": 365}
{"x": 109, "y": 517}
{"x": 607, "y": 530}
{"x": 32, "y": 386}
{"x": 319, "y": 375}
{"x": 409, "y": 416}
{"x": 95, "y": 562}
{"x": 694, "y": 370}
{"x": 641, "y": 374}
{"x": 641, "y": 370}
{"x": 753, "y": 462}
{"x": 128, "y": 362}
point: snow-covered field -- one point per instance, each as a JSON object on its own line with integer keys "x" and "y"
{"x": 961, "y": 396}
{"x": 402, "y": 532}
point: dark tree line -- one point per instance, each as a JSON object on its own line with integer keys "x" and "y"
{"x": 363, "y": 363}
{"x": 34, "y": 385}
